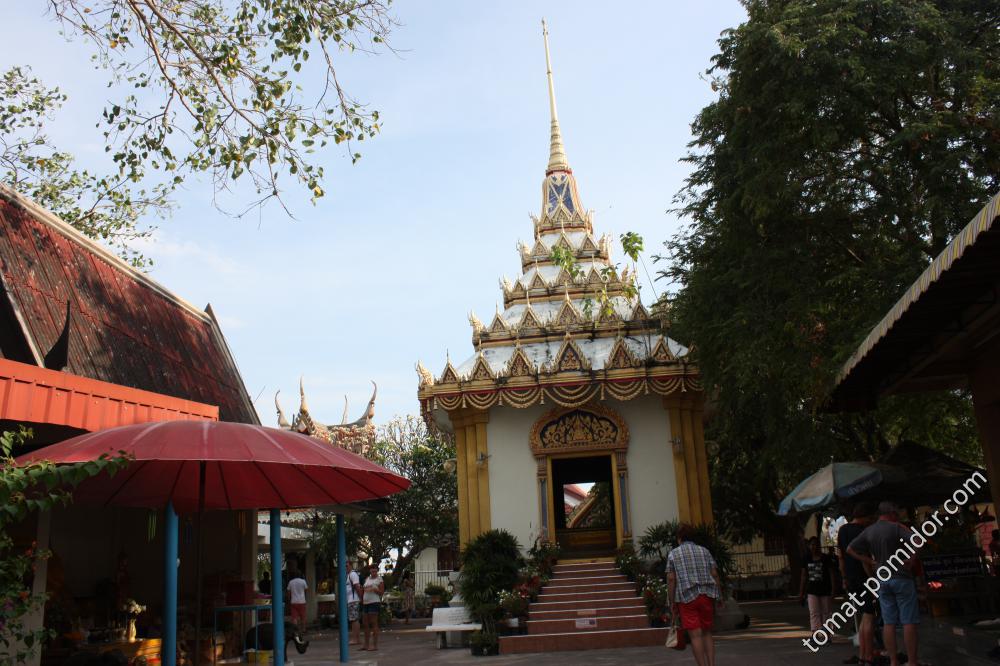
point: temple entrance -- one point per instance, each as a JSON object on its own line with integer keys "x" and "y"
{"x": 583, "y": 499}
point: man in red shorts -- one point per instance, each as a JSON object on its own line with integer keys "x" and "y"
{"x": 694, "y": 589}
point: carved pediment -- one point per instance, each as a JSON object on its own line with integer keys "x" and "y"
{"x": 588, "y": 245}
{"x": 519, "y": 365}
{"x": 482, "y": 369}
{"x": 449, "y": 376}
{"x": 567, "y": 315}
{"x": 499, "y": 325}
{"x": 591, "y": 427}
{"x": 621, "y": 357}
{"x": 640, "y": 312}
{"x": 538, "y": 282}
{"x": 529, "y": 319}
{"x": 570, "y": 358}
{"x": 540, "y": 251}
{"x": 661, "y": 352}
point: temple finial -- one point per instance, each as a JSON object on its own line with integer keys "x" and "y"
{"x": 557, "y": 154}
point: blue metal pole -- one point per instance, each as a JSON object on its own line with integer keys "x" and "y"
{"x": 277, "y": 590}
{"x": 169, "y": 646}
{"x": 342, "y": 587}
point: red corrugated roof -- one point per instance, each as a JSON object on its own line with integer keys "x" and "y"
{"x": 30, "y": 394}
{"x": 125, "y": 328}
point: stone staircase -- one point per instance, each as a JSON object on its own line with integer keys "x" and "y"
{"x": 588, "y": 606}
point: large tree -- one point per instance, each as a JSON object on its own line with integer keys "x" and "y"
{"x": 849, "y": 142}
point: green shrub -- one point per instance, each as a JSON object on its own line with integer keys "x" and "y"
{"x": 491, "y": 564}
{"x": 435, "y": 590}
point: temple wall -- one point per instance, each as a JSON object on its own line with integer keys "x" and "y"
{"x": 653, "y": 491}
{"x": 513, "y": 471}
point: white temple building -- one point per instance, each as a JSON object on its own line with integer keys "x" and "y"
{"x": 574, "y": 381}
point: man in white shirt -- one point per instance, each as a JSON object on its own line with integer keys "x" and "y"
{"x": 297, "y": 587}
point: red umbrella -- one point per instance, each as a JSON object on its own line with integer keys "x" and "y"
{"x": 193, "y": 466}
{"x": 245, "y": 467}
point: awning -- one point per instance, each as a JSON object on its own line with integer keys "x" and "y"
{"x": 35, "y": 395}
{"x": 924, "y": 341}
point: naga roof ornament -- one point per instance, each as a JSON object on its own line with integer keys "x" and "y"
{"x": 357, "y": 436}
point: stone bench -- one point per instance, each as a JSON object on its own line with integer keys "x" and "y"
{"x": 455, "y": 621}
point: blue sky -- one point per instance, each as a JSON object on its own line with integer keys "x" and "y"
{"x": 385, "y": 269}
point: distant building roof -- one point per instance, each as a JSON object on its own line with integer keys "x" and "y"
{"x": 123, "y": 327}
{"x": 927, "y": 339}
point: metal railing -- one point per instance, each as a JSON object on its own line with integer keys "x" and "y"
{"x": 421, "y": 579}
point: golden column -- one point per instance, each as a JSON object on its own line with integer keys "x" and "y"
{"x": 472, "y": 465}
{"x": 687, "y": 440}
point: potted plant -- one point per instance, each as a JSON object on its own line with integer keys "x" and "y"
{"x": 491, "y": 564}
{"x": 484, "y": 643}
{"x": 436, "y": 593}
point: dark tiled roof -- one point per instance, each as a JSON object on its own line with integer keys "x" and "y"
{"x": 125, "y": 328}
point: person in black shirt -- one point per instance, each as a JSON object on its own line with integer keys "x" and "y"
{"x": 854, "y": 575}
{"x": 817, "y": 584}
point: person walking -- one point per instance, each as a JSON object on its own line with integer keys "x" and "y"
{"x": 694, "y": 589}
{"x": 374, "y": 588}
{"x": 264, "y": 584}
{"x": 409, "y": 602}
{"x": 854, "y": 575}
{"x": 897, "y": 596}
{"x": 816, "y": 584}
{"x": 297, "y": 587}
{"x": 354, "y": 604}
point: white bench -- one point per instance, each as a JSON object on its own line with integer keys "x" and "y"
{"x": 456, "y": 621}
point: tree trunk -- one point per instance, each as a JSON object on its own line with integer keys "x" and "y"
{"x": 792, "y": 532}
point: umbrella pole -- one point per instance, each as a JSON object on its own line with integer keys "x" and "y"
{"x": 197, "y": 575}
{"x": 277, "y": 591}
{"x": 169, "y": 646}
{"x": 342, "y": 587}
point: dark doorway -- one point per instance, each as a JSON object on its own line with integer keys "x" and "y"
{"x": 583, "y": 499}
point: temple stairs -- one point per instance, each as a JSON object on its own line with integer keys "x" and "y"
{"x": 588, "y": 606}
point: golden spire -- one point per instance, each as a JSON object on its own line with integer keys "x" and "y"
{"x": 557, "y": 154}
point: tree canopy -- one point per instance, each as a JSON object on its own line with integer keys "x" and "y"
{"x": 424, "y": 515}
{"x": 244, "y": 91}
{"x": 849, "y": 142}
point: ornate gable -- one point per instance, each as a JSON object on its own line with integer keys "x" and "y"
{"x": 482, "y": 369}
{"x": 661, "y": 352}
{"x": 621, "y": 357}
{"x": 529, "y": 319}
{"x": 499, "y": 325}
{"x": 519, "y": 365}
{"x": 538, "y": 282}
{"x": 568, "y": 314}
{"x": 593, "y": 277}
{"x": 449, "y": 376}
{"x": 570, "y": 358}
{"x": 640, "y": 312}
{"x": 540, "y": 251}
{"x": 588, "y": 244}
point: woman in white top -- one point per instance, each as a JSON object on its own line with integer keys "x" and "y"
{"x": 374, "y": 588}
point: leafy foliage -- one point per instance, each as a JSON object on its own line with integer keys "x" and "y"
{"x": 213, "y": 86}
{"x": 849, "y": 142}
{"x": 23, "y": 490}
{"x": 565, "y": 258}
{"x": 491, "y": 565}
{"x": 422, "y": 516}
{"x": 104, "y": 207}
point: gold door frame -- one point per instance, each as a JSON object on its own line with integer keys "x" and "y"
{"x": 579, "y": 432}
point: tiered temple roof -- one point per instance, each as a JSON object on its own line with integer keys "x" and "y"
{"x": 562, "y": 337}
